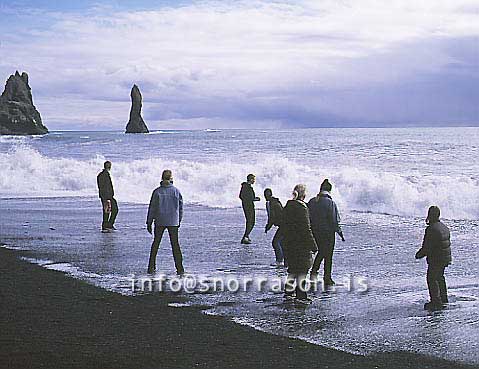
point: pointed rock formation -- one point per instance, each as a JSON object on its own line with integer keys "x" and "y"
{"x": 136, "y": 123}
{"x": 18, "y": 115}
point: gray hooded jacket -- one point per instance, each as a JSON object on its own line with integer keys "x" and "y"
{"x": 166, "y": 206}
{"x": 324, "y": 214}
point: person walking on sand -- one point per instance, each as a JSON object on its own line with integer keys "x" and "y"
{"x": 274, "y": 209}
{"x": 166, "y": 212}
{"x": 298, "y": 244}
{"x": 325, "y": 220}
{"x": 248, "y": 199}
{"x": 106, "y": 194}
{"x": 436, "y": 247}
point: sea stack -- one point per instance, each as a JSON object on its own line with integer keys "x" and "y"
{"x": 18, "y": 115}
{"x": 136, "y": 124}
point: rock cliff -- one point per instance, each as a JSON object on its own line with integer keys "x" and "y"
{"x": 136, "y": 123}
{"x": 18, "y": 115}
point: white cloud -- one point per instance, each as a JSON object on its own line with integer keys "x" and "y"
{"x": 243, "y": 50}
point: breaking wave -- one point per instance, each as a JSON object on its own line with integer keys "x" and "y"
{"x": 24, "y": 172}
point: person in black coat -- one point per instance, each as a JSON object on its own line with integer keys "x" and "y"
{"x": 274, "y": 209}
{"x": 248, "y": 198}
{"x": 298, "y": 243}
{"x": 436, "y": 247}
{"x": 106, "y": 194}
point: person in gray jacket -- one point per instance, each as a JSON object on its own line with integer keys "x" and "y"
{"x": 436, "y": 247}
{"x": 325, "y": 220}
{"x": 166, "y": 211}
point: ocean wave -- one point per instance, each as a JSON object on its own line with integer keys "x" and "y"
{"x": 24, "y": 172}
{"x": 15, "y": 139}
{"x": 111, "y": 282}
{"x": 160, "y": 132}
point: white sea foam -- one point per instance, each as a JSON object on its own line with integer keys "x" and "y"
{"x": 24, "y": 172}
{"x": 13, "y": 139}
{"x": 160, "y": 132}
{"x": 110, "y": 282}
{"x": 180, "y": 304}
{"x": 11, "y": 247}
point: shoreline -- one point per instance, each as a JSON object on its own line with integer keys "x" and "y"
{"x": 52, "y": 320}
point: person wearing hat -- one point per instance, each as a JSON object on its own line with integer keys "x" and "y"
{"x": 436, "y": 247}
{"x": 325, "y": 221}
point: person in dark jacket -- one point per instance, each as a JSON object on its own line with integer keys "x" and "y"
{"x": 248, "y": 199}
{"x": 436, "y": 247}
{"x": 274, "y": 209}
{"x": 106, "y": 194}
{"x": 166, "y": 211}
{"x": 325, "y": 221}
{"x": 298, "y": 243}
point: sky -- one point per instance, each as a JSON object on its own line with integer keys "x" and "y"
{"x": 247, "y": 64}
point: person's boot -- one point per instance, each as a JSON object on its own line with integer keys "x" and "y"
{"x": 303, "y": 301}
{"x": 151, "y": 269}
{"x": 289, "y": 291}
{"x": 328, "y": 281}
{"x": 433, "y": 306}
{"x": 246, "y": 241}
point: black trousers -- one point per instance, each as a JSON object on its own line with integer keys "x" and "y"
{"x": 436, "y": 284}
{"x": 278, "y": 247}
{"x": 109, "y": 218}
{"x": 249, "y": 214}
{"x": 296, "y": 283}
{"x": 175, "y": 247}
{"x": 325, "y": 242}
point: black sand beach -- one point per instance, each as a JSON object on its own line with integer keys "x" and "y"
{"x": 50, "y": 320}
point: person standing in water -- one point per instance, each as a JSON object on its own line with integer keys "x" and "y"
{"x": 298, "y": 243}
{"x": 436, "y": 247}
{"x": 248, "y": 199}
{"x": 274, "y": 209}
{"x": 106, "y": 194}
{"x": 166, "y": 212}
{"x": 325, "y": 220}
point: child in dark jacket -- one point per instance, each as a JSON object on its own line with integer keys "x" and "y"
{"x": 436, "y": 247}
